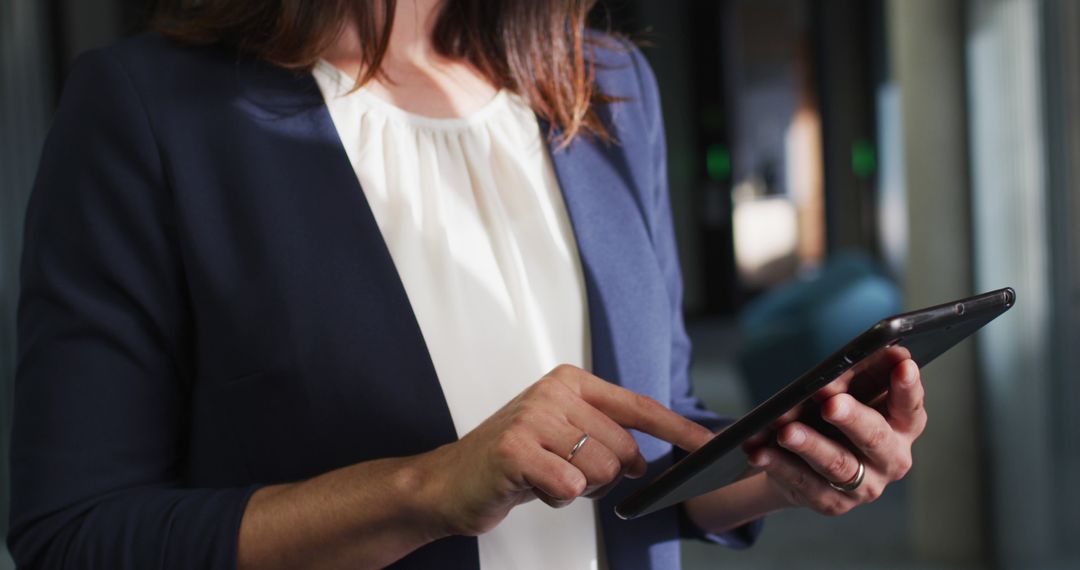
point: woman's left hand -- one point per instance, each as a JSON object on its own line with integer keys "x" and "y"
{"x": 881, "y": 438}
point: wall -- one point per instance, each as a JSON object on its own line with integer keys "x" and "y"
{"x": 926, "y": 45}
{"x": 25, "y": 106}
{"x": 1061, "y": 72}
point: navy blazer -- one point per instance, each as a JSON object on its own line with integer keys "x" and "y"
{"x": 208, "y": 306}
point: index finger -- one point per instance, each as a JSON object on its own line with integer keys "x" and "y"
{"x": 632, "y": 410}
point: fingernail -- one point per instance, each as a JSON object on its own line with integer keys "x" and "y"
{"x": 840, "y": 411}
{"x": 760, "y": 460}
{"x": 796, "y": 437}
{"x": 909, "y": 378}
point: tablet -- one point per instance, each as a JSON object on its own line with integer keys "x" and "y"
{"x": 864, "y": 363}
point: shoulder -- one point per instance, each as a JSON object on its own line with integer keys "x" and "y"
{"x": 620, "y": 65}
{"x": 116, "y": 102}
{"x": 153, "y": 58}
{"x": 105, "y": 100}
{"x": 146, "y": 61}
{"x": 159, "y": 71}
{"x": 191, "y": 98}
{"x": 128, "y": 94}
{"x": 623, "y": 72}
{"x": 131, "y": 79}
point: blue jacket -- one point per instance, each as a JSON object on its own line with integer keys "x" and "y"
{"x": 208, "y": 306}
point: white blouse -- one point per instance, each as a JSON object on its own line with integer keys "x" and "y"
{"x": 471, "y": 211}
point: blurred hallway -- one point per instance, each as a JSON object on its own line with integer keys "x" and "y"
{"x": 935, "y": 142}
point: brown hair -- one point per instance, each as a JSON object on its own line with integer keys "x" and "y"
{"x": 538, "y": 49}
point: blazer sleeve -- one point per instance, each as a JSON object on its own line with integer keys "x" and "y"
{"x": 683, "y": 399}
{"x": 101, "y": 388}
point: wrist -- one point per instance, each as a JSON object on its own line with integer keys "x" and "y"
{"x": 772, "y": 498}
{"x": 419, "y": 484}
{"x": 736, "y": 504}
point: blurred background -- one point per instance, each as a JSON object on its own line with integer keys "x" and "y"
{"x": 831, "y": 162}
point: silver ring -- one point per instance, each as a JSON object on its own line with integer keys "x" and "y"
{"x": 577, "y": 447}
{"x": 853, "y": 483}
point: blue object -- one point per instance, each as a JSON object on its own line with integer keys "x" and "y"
{"x": 208, "y": 307}
{"x": 789, "y": 330}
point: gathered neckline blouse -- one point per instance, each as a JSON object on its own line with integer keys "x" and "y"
{"x": 472, "y": 214}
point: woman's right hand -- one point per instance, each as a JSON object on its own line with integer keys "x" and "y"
{"x": 523, "y": 450}
{"x": 369, "y": 514}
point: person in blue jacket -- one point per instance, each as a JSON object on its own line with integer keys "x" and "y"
{"x": 349, "y": 284}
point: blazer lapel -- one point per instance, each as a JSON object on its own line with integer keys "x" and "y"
{"x": 628, "y": 315}
{"x": 621, "y": 274}
{"x": 362, "y": 286}
{"x": 377, "y": 363}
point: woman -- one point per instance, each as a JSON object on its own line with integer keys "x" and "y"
{"x": 269, "y": 320}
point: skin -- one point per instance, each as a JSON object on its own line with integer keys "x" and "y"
{"x": 414, "y": 77}
{"x": 370, "y": 514}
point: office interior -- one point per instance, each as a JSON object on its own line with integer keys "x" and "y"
{"x": 831, "y": 162}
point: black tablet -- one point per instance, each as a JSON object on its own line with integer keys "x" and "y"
{"x": 864, "y": 363}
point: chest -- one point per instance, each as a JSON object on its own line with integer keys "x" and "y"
{"x": 307, "y": 345}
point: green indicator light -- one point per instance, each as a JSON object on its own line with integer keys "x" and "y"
{"x": 863, "y": 159}
{"x": 717, "y": 163}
